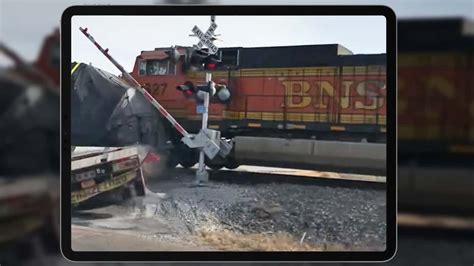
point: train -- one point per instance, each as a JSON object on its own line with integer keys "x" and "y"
{"x": 309, "y": 106}
{"x": 436, "y": 115}
{"x": 435, "y": 91}
{"x": 288, "y": 100}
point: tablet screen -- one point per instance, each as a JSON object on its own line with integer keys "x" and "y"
{"x": 227, "y": 133}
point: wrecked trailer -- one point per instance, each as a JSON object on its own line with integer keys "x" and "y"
{"x": 106, "y": 112}
{"x": 115, "y": 172}
{"x": 29, "y": 126}
{"x": 29, "y": 166}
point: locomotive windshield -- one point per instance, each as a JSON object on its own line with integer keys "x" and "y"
{"x": 157, "y": 67}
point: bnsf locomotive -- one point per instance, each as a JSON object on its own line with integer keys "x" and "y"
{"x": 312, "y": 106}
{"x": 436, "y": 114}
{"x": 435, "y": 107}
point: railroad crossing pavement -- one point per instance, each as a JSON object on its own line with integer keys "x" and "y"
{"x": 309, "y": 173}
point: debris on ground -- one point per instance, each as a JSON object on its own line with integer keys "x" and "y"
{"x": 245, "y": 215}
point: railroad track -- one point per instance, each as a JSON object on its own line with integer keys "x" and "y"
{"x": 278, "y": 175}
{"x": 426, "y": 221}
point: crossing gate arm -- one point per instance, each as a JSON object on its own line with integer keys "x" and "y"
{"x": 205, "y": 140}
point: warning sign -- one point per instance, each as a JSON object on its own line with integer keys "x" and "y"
{"x": 205, "y": 39}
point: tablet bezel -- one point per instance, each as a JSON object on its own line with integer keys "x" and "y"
{"x": 190, "y": 256}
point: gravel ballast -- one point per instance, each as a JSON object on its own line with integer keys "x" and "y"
{"x": 315, "y": 214}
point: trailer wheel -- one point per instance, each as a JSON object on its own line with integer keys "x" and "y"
{"x": 188, "y": 157}
{"x": 231, "y": 163}
{"x": 172, "y": 162}
{"x": 139, "y": 187}
{"x": 216, "y": 167}
{"x": 188, "y": 163}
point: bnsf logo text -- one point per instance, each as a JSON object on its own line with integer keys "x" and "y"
{"x": 348, "y": 94}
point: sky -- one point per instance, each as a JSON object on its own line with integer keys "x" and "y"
{"x": 126, "y": 36}
{"x": 25, "y": 23}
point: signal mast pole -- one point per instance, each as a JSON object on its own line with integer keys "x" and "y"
{"x": 202, "y": 176}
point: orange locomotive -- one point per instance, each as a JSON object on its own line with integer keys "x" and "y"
{"x": 309, "y": 92}
{"x": 435, "y": 109}
{"x": 436, "y": 114}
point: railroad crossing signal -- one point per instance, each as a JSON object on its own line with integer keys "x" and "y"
{"x": 212, "y": 143}
{"x": 206, "y": 39}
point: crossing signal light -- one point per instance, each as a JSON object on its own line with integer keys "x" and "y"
{"x": 210, "y": 88}
{"x": 197, "y": 91}
{"x": 187, "y": 88}
{"x": 218, "y": 93}
{"x": 210, "y": 66}
{"x": 200, "y": 59}
{"x": 223, "y": 94}
{"x": 211, "y": 62}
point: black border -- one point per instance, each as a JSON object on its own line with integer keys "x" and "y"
{"x": 224, "y": 255}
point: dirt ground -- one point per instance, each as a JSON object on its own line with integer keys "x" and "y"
{"x": 239, "y": 211}
{"x": 93, "y": 239}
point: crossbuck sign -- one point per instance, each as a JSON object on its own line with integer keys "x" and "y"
{"x": 205, "y": 39}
